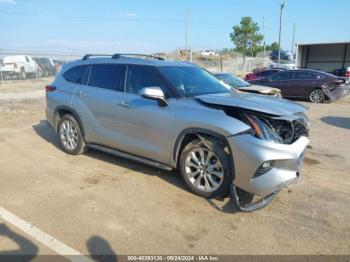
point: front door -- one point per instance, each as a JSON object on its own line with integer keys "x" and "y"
{"x": 281, "y": 81}
{"x": 146, "y": 127}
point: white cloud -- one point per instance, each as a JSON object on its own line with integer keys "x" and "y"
{"x": 7, "y": 1}
{"x": 129, "y": 15}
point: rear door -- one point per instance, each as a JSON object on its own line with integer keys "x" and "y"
{"x": 98, "y": 97}
{"x": 281, "y": 81}
{"x": 303, "y": 82}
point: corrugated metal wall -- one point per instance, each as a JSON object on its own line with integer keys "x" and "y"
{"x": 325, "y": 57}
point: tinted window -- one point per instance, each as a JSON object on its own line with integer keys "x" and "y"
{"x": 75, "y": 74}
{"x": 140, "y": 76}
{"x": 281, "y": 76}
{"x": 109, "y": 76}
{"x": 266, "y": 73}
{"x": 305, "y": 76}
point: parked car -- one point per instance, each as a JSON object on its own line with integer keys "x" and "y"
{"x": 237, "y": 83}
{"x": 207, "y": 53}
{"x": 316, "y": 86}
{"x": 260, "y": 74}
{"x": 46, "y": 65}
{"x": 176, "y": 115}
{"x": 284, "y": 55}
{"x": 19, "y": 66}
{"x": 284, "y": 64}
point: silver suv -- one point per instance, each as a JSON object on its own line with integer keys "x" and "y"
{"x": 176, "y": 115}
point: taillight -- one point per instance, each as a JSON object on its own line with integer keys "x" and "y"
{"x": 50, "y": 88}
{"x": 347, "y": 73}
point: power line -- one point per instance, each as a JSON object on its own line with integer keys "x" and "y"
{"x": 114, "y": 19}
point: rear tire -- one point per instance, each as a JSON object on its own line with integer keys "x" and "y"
{"x": 317, "y": 96}
{"x": 205, "y": 167}
{"x": 70, "y": 135}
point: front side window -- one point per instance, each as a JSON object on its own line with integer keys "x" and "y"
{"x": 75, "y": 74}
{"x": 281, "y": 76}
{"x": 139, "y": 77}
{"x": 107, "y": 76}
{"x": 193, "y": 81}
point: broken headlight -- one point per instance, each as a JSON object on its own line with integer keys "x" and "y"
{"x": 262, "y": 130}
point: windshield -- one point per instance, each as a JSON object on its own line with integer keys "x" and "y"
{"x": 193, "y": 81}
{"x": 232, "y": 80}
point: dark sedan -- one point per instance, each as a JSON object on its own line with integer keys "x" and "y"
{"x": 315, "y": 86}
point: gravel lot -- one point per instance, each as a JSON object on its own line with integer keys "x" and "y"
{"x": 100, "y": 204}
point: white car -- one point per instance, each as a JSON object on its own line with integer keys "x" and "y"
{"x": 19, "y": 66}
{"x": 207, "y": 53}
{"x": 283, "y": 64}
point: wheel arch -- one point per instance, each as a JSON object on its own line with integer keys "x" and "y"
{"x": 60, "y": 111}
{"x": 191, "y": 134}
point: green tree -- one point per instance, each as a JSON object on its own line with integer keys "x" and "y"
{"x": 273, "y": 46}
{"x": 246, "y": 37}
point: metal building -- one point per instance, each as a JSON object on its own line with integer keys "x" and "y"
{"x": 327, "y": 57}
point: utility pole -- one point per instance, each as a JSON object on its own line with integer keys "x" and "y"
{"x": 283, "y": 4}
{"x": 264, "y": 34}
{"x": 293, "y": 41}
{"x": 186, "y": 37}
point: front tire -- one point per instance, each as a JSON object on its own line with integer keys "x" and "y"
{"x": 205, "y": 167}
{"x": 317, "y": 96}
{"x": 70, "y": 135}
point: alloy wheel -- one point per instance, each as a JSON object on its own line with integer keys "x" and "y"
{"x": 317, "y": 96}
{"x": 204, "y": 169}
{"x": 69, "y": 135}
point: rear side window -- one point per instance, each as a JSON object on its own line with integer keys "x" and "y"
{"x": 304, "y": 76}
{"x": 281, "y": 76}
{"x": 75, "y": 74}
{"x": 139, "y": 77}
{"x": 107, "y": 76}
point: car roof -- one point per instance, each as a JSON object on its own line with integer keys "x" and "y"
{"x": 132, "y": 61}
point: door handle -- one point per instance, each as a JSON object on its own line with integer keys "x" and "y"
{"x": 124, "y": 104}
{"x": 81, "y": 94}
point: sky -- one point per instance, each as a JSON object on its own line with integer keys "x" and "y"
{"x": 147, "y": 26}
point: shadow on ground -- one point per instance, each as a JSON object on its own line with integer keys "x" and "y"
{"x": 342, "y": 122}
{"x": 100, "y": 250}
{"x": 26, "y": 251}
{"x": 171, "y": 177}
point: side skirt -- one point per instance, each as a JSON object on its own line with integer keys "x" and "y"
{"x": 131, "y": 157}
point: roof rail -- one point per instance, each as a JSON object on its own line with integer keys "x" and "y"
{"x": 117, "y": 56}
{"x": 86, "y": 57}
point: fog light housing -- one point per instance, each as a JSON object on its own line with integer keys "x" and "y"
{"x": 264, "y": 168}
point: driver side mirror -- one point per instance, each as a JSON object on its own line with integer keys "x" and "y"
{"x": 154, "y": 93}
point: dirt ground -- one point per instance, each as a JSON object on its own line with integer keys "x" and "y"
{"x": 100, "y": 204}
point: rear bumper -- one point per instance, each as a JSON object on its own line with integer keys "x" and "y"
{"x": 338, "y": 93}
{"x": 249, "y": 153}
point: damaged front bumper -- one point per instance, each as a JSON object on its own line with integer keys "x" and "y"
{"x": 250, "y": 153}
{"x": 338, "y": 93}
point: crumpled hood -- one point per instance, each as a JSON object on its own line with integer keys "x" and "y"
{"x": 259, "y": 103}
{"x": 260, "y": 89}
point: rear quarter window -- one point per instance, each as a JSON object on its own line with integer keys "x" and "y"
{"x": 107, "y": 76}
{"x": 76, "y": 74}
